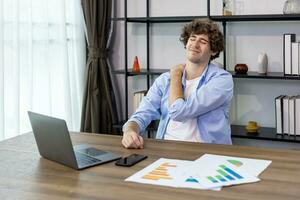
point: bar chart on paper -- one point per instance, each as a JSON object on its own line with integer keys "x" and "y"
{"x": 168, "y": 172}
{"x": 224, "y": 174}
{"x": 220, "y": 172}
{"x": 161, "y": 172}
{"x": 251, "y": 166}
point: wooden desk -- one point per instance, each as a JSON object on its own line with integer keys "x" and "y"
{"x": 25, "y": 175}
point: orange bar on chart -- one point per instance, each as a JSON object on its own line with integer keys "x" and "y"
{"x": 168, "y": 165}
{"x": 162, "y": 168}
{"x": 156, "y": 177}
{"x": 149, "y": 177}
{"x": 161, "y": 172}
{"x": 156, "y": 172}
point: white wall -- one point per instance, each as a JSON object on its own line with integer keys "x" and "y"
{"x": 253, "y": 99}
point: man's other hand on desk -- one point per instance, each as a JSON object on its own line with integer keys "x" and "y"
{"x": 131, "y": 138}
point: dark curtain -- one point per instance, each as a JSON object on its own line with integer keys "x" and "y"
{"x": 99, "y": 109}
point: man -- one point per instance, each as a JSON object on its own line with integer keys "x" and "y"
{"x": 192, "y": 101}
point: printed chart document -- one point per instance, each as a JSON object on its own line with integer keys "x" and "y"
{"x": 208, "y": 172}
{"x": 216, "y": 170}
{"x": 252, "y": 166}
{"x": 167, "y": 172}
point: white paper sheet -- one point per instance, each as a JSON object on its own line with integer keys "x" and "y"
{"x": 211, "y": 173}
{"x": 167, "y": 172}
{"x": 207, "y": 172}
{"x": 252, "y": 166}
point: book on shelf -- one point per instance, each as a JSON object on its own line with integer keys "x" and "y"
{"x": 137, "y": 98}
{"x": 279, "y": 114}
{"x": 287, "y": 114}
{"x": 285, "y": 111}
{"x": 292, "y": 115}
{"x": 297, "y": 115}
{"x": 288, "y": 39}
{"x": 295, "y": 58}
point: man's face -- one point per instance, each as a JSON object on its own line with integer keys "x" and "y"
{"x": 198, "y": 48}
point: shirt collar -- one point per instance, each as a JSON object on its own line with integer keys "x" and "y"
{"x": 202, "y": 77}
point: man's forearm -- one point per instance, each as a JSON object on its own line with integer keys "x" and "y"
{"x": 132, "y": 126}
{"x": 175, "y": 86}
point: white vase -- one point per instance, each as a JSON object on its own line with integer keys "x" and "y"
{"x": 262, "y": 63}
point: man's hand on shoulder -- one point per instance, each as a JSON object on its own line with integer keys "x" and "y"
{"x": 177, "y": 69}
{"x": 175, "y": 83}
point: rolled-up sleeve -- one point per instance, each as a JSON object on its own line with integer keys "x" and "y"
{"x": 214, "y": 93}
{"x": 149, "y": 108}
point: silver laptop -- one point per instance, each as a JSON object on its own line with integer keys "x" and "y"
{"x": 54, "y": 143}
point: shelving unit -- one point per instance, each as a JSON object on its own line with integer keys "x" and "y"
{"x": 241, "y": 18}
{"x": 237, "y": 131}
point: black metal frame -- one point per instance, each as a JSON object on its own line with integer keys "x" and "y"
{"x": 125, "y": 59}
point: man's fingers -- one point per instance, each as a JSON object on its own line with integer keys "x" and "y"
{"x": 132, "y": 140}
{"x": 130, "y": 143}
{"x": 124, "y": 142}
{"x": 136, "y": 141}
{"x": 141, "y": 141}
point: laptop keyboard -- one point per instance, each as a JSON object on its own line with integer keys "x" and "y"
{"x": 85, "y": 160}
{"x": 92, "y": 151}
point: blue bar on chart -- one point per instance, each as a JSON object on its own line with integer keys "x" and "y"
{"x": 192, "y": 180}
{"x": 230, "y": 171}
{"x": 225, "y": 175}
{"x": 212, "y": 179}
{"x": 221, "y": 178}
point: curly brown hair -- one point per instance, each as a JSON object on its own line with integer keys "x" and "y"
{"x": 207, "y": 27}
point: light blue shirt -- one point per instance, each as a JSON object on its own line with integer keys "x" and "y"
{"x": 210, "y": 104}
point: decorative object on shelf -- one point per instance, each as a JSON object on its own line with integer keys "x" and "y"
{"x": 136, "y": 65}
{"x": 262, "y": 62}
{"x": 227, "y": 7}
{"x": 291, "y": 7}
{"x": 252, "y": 127}
{"x": 241, "y": 68}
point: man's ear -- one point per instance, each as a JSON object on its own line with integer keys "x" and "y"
{"x": 214, "y": 53}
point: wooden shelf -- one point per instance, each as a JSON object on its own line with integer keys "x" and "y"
{"x": 118, "y": 18}
{"x": 250, "y": 75}
{"x": 167, "y": 19}
{"x": 269, "y": 75}
{"x": 143, "y": 72}
{"x": 273, "y": 17}
{"x": 263, "y": 133}
{"x": 221, "y": 18}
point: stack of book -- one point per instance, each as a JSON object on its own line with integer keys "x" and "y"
{"x": 287, "y": 111}
{"x": 291, "y": 54}
{"x": 137, "y": 98}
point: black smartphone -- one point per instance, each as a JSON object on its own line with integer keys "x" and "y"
{"x": 130, "y": 160}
